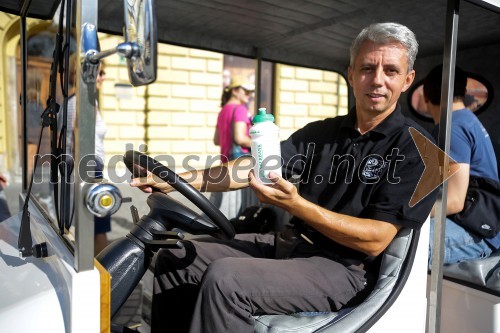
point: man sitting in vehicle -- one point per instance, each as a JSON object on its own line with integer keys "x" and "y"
{"x": 357, "y": 175}
{"x": 471, "y": 148}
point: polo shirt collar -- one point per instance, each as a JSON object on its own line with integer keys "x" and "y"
{"x": 393, "y": 123}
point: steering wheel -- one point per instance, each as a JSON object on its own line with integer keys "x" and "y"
{"x": 134, "y": 158}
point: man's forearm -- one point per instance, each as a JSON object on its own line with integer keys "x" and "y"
{"x": 228, "y": 176}
{"x": 365, "y": 235}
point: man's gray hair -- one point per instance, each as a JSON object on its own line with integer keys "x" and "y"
{"x": 382, "y": 33}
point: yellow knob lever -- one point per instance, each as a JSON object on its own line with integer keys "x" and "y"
{"x": 106, "y": 200}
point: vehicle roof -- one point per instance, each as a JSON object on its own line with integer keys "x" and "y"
{"x": 310, "y": 33}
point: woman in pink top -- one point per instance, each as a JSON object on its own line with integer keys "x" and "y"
{"x": 234, "y": 99}
{"x": 234, "y": 113}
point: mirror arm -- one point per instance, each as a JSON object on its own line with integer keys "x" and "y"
{"x": 96, "y": 57}
{"x": 128, "y": 50}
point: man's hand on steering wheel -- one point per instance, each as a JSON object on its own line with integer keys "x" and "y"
{"x": 160, "y": 177}
{"x": 150, "y": 182}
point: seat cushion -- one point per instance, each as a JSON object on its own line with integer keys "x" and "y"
{"x": 298, "y": 322}
{"x": 392, "y": 261}
{"x": 483, "y": 272}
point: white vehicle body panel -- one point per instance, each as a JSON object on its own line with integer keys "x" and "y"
{"x": 465, "y": 309}
{"x": 44, "y": 294}
{"x": 412, "y": 302}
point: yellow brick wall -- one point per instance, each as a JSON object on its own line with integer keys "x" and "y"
{"x": 5, "y": 22}
{"x": 182, "y": 104}
{"x": 304, "y": 95}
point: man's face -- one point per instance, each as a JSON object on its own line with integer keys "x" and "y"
{"x": 379, "y": 76}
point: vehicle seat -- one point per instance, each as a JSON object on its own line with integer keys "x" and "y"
{"x": 481, "y": 272}
{"x": 398, "y": 254}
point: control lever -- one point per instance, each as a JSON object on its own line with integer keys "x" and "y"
{"x": 135, "y": 214}
{"x": 155, "y": 245}
{"x": 164, "y": 239}
{"x": 158, "y": 235}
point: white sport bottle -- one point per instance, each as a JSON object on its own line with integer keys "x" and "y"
{"x": 266, "y": 149}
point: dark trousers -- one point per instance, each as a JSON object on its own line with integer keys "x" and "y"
{"x": 218, "y": 286}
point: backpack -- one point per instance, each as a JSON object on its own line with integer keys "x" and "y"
{"x": 481, "y": 213}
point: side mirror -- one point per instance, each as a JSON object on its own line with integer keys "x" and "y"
{"x": 140, "y": 40}
{"x": 478, "y": 98}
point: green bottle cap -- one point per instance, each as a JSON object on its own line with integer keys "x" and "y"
{"x": 262, "y": 116}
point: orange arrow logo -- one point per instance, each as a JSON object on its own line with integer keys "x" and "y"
{"x": 434, "y": 159}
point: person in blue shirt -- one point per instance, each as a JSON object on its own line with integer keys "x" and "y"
{"x": 472, "y": 149}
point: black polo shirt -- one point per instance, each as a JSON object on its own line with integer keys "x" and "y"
{"x": 371, "y": 176}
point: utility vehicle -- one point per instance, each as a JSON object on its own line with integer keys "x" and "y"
{"x": 50, "y": 281}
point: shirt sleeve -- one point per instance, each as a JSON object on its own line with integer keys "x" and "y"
{"x": 241, "y": 114}
{"x": 460, "y": 145}
{"x": 293, "y": 154}
{"x": 390, "y": 201}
